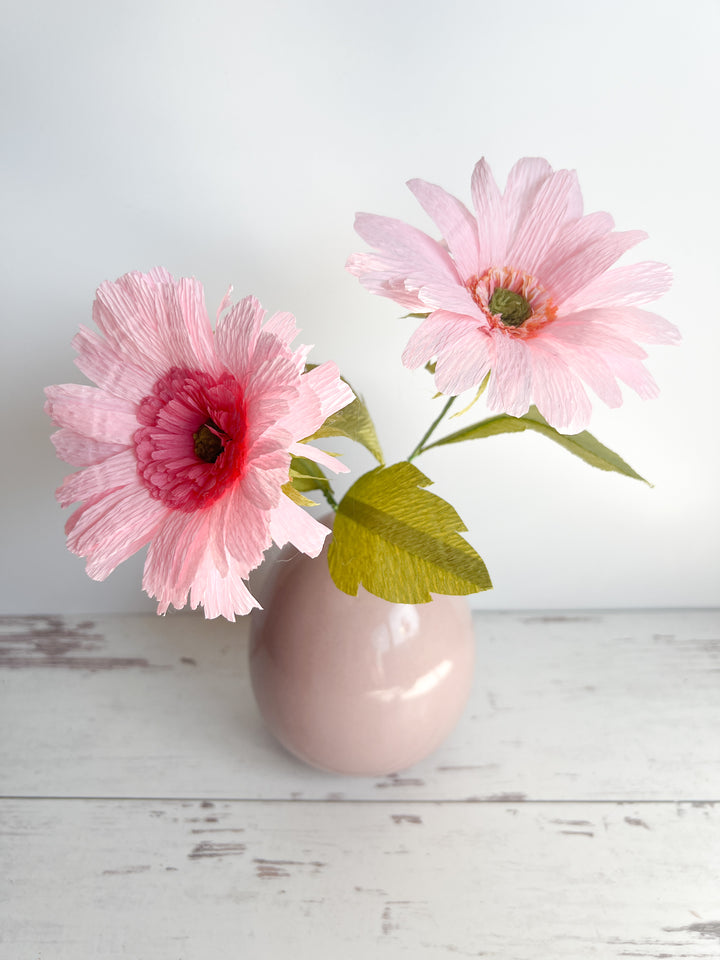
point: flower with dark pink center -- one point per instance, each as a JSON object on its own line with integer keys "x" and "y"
{"x": 522, "y": 291}
{"x": 185, "y": 443}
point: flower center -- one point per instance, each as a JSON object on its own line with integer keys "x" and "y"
{"x": 512, "y": 307}
{"x": 208, "y": 445}
{"x": 191, "y": 446}
{"x": 512, "y": 301}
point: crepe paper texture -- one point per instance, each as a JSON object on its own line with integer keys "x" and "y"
{"x": 583, "y": 445}
{"x": 522, "y": 290}
{"x": 355, "y": 423}
{"x": 200, "y": 443}
{"x": 307, "y": 475}
{"x": 185, "y": 443}
{"x": 400, "y": 541}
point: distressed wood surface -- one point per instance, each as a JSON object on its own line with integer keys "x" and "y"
{"x": 607, "y": 706}
{"x": 146, "y": 813}
{"x": 222, "y": 880}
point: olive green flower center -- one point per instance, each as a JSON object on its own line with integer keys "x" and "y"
{"x": 512, "y": 307}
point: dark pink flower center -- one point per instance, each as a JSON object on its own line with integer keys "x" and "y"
{"x": 191, "y": 447}
{"x": 512, "y": 301}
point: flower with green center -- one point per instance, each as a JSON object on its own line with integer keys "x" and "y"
{"x": 524, "y": 290}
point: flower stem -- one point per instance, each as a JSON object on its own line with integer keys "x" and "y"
{"x": 329, "y": 497}
{"x": 421, "y": 446}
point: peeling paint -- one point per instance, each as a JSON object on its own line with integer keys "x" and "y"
{"x": 48, "y": 642}
{"x": 206, "y": 849}
{"x": 217, "y": 830}
{"x": 548, "y": 618}
{"x": 270, "y": 871}
{"x": 396, "y": 781}
{"x": 387, "y": 919}
{"x": 468, "y": 767}
{"x": 654, "y": 956}
{"x": 277, "y": 868}
{"x": 636, "y": 822}
{"x": 710, "y": 930}
{"x": 505, "y": 798}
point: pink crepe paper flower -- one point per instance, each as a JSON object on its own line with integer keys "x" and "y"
{"x": 186, "y": 441}
{"x": 522, "y": 291}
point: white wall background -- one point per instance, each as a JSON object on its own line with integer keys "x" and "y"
{"x": 234, "y": 141}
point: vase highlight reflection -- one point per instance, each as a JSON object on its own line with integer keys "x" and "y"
{"x": 356, "y": 685}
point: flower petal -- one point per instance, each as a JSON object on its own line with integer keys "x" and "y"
{"x": 553, "y": 204}
{"x": 632, "y": 372}
{"x": 557, "y": 391}
{"x": 332, "y": 392}
{"x": 319, "y": 456}
{"x": 320, "y": 394}
{"x": 645, "y": 326}
{"x": 465, "y": 362}
{"x": 375, "y": 276}
{"x": 523, "y": 183}
{"x": 220, "y": 596}
{"x": 404, "y": 257}
{"x": 80, "y": 451}
{"x": 92, "y": 412}
{"x": 174, "y": 557}
{"x": 623, "y": 286}
{"x": 155, "y": 322}
{"x": 491, "y": 225}
{"x": 455, "y": 222}
{"x": 283, "y": 326}
{"x": 118, "y": 471}
{"x": 104, "y": 365}
{"x": 112, "y": 527}
{"x": 566, "y": 275}
{"x": 289, "y": 523}
{"x": 435, "y": 334}
{"x": 243, "y": 527}
{"x": 587, "y": 330}
{"x": 236, "y": 335}
{"x": 509, "y": 387}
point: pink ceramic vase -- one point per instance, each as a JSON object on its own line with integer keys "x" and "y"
{"x": 356, "y": 685}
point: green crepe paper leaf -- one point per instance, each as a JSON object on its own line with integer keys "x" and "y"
{"x": 583, "y": 445}
{"x": 307, "y": 475}
{"x": 400, "y": 541}
{"x": 480, "y": 391}
{"x": 353, "y": 421}
{"x": 294, "y": 494}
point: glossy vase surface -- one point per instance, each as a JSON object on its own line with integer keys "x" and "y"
{"x": 356, "y": 685}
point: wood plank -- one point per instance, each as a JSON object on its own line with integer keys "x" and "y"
{"x": 191, "y": 881}
{"x": 607, "y": 706}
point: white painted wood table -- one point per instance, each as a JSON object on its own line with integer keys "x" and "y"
{"x": 575, "y": 811}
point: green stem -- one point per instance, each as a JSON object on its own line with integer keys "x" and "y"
{"x": 421, "y": 446}
{"x": 329, "y": 497}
